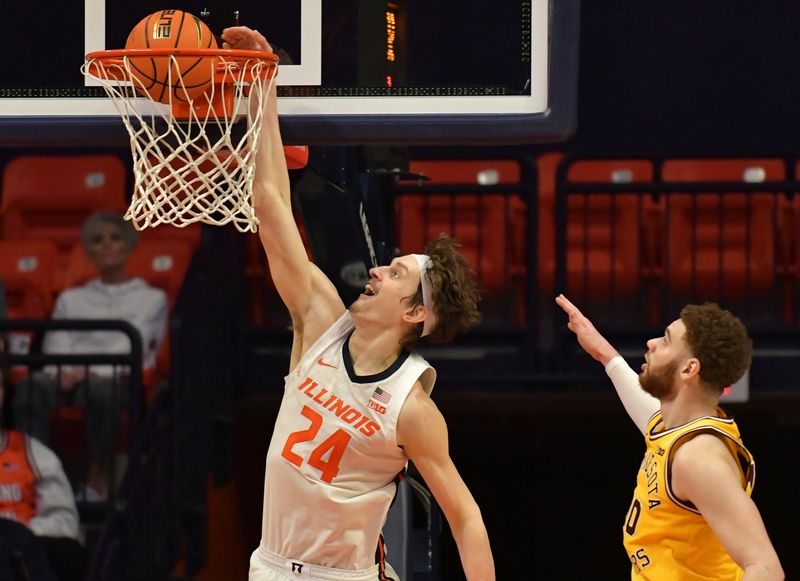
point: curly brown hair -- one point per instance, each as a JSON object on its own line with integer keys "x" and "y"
{"x": 454, "y": 291}
{"x": 720, "y": 342}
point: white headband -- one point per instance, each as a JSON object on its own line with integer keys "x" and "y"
{"x": 425, "y": 263}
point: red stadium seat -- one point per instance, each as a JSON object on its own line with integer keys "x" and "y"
{"x": 49, "y": 197}
{"x": 27, "y": 270}
{"x": 721, "y": 246}
{"x": 728, "y": 170}
{"x": 491, "y": 227}
{"x": 609, "y": 245}
{"x": 78, "y": 270}
{"x": 717, "y": 246}
{"x": 162, "y": 264}
{"x": 471, "y": 171}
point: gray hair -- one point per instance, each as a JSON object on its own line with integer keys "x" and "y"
{"x": 90, "y": 226}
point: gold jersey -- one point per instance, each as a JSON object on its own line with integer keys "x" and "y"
{"x": 666, "y": 538}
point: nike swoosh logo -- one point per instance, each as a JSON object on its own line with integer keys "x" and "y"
{"x": 324, "y": 364}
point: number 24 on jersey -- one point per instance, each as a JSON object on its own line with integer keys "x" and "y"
{"x": 334, "y": 446}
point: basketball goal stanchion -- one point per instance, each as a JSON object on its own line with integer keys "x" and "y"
{"x": 189, "y": 163}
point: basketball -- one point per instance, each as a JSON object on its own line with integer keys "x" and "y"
{"x": 162, "y": 78}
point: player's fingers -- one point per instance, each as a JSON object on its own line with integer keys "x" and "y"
{"x": 240, "y": 37}
{"x": 261, "y": 42}
{"x": 566, "y": 304}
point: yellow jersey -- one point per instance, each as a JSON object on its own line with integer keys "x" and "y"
{"x": 666, "y": 538}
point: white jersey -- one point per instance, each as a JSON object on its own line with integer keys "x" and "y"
{"x": 333, "y": 460}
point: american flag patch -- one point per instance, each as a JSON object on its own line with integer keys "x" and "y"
{"x": 381, "y": 395}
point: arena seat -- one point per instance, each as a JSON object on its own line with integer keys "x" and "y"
{"x": 468, "y": 171}
{"x": 162, "y": 264}
{"x": 609, "y": 238}
{"x": 78, "y": 269}
{"x": 48, "y": 197}
{"x": 491, "y": 227}
{"x": 721, "y": 245}
{"x": 27, "y": 269}
{"x": 747, "y": 170}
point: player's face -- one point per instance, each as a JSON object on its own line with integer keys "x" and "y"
{"x": 664, "y": 354}
{"x": 107, "y": 248}
{"x": 388, "y": 289}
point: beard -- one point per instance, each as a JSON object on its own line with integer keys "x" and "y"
{"x": 659, "y": 382}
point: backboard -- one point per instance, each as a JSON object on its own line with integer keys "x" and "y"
{"x": 352, "y": 71}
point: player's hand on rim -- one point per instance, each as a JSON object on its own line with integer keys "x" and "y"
{"x": 244, "y": 38}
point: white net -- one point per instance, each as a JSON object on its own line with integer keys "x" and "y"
{"x": 192, "y": 162}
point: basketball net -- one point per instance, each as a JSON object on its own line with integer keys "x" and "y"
{"x": 189, "y": 164}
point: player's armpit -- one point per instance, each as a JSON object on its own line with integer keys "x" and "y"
{"x": 422, "y": 432}
{"x": 705, "y": 473}
{"x": 324, "y": 309}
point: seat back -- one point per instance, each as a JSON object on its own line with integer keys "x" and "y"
{"x": 27, "y": 270}
{"x": 162, "y": 264}
{"x": 721, "y": 245}
{"x": 49, "y": 197}
{"x": 606, "y": 250}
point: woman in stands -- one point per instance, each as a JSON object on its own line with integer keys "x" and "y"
{"x": 108, "y": 241}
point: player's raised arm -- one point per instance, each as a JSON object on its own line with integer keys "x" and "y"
{"x": 639, "y": 404}
{"x": 422, "y": 433}
{"x": 307, "y": 293}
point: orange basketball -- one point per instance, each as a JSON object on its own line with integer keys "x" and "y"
{"x": 182, "y": 78}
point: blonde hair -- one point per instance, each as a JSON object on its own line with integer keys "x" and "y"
{"x": 91, "y": 224}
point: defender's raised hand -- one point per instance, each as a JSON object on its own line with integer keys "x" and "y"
{"x": 588, "y": 337}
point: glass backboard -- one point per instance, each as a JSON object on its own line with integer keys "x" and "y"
{"x": 352, "y": 72}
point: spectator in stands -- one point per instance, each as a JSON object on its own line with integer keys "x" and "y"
{"x": 38, "y": 518}
{"x": 108, "y": 241}
{"x": 356, "y": 406}
{"x": 691, "y": 516}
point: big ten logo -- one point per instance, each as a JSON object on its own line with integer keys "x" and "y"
{"x": 163, "y": 27}
{"x": 373, "y": 405}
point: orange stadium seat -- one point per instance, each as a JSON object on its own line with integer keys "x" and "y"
{"x": 721, "y": 246}
{"x": 162, "y": 264}
{"x": 48, "y": 197}
{"x": 728, "y": 170}
{"x": 468, "y": 171}
{"x": 491, "y": 227}
{"x": 79, "y": 269}
{"x": 609, "y": 246}
{"x": 27, "y": 269}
